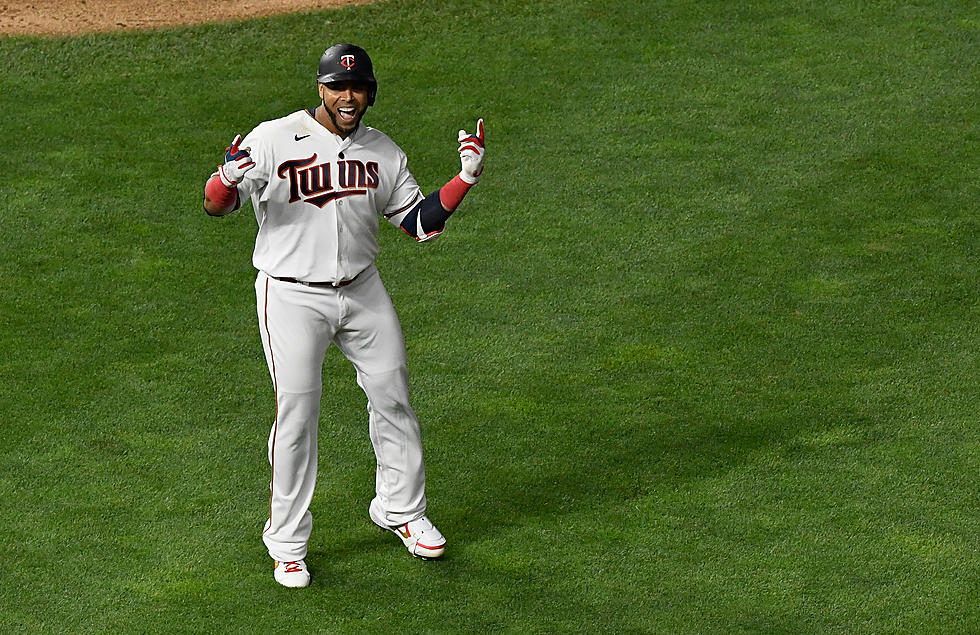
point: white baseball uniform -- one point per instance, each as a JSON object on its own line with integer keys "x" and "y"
{"x": 318, "y": 199}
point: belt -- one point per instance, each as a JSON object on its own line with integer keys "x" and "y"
{"x": 342, "y": 283}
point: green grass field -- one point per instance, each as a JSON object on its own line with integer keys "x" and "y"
{"x": 699, "y": 354}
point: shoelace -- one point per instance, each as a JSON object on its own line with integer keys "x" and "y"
{"x": 293, "y": 567}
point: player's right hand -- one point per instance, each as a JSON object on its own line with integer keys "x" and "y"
{"x": 237, "y": 162}
{"x": 471, "y": 151}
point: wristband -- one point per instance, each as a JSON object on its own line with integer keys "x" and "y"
{"x": 452, "y": 193}
{"x": 220, "y": 194}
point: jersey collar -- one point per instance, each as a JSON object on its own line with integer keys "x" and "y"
{"x": 343, "y": 143}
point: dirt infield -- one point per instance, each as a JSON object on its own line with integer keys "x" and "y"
{"x": 70, "y": 17}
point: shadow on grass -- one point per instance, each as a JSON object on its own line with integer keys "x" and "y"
{"x": 583, "y": 465}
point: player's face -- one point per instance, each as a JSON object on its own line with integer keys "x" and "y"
{"x": 344, "y": 103}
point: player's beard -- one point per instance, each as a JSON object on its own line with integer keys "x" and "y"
{"x": 347, "y": 131}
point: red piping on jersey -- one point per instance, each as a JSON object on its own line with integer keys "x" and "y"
{"x": 275, "y": 390}
{"x": 409, "y": 206}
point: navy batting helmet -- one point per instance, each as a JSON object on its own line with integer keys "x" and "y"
{"x": 347, "y": 63}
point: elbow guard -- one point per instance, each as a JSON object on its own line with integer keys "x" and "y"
{"x": 427, "y": 219}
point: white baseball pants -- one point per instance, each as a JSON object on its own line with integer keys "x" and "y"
{"x": 298, "y": 323}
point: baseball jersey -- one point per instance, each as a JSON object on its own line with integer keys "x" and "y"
{"x": 318, "y": 198}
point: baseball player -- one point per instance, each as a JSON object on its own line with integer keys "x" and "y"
{"x": 319, "y": 180}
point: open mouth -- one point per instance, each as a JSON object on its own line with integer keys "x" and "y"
{"x": 347, "y": 114}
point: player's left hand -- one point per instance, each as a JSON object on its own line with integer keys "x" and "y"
{"x": 471, "y": 151}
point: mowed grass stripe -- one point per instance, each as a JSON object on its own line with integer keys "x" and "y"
{"x": 698, "y": 354}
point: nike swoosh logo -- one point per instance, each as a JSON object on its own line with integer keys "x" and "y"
{"x": 299, "y": 138}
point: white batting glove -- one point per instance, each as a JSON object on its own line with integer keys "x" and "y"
{"x": 471, "y": 151}
{"x": 237, "y": 162}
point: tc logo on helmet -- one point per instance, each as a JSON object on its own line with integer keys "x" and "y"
{"x": 347, "y": 61}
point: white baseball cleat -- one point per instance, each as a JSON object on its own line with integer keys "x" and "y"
{"x": 292, "y": 574}
{"x": 420, "y": 537}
